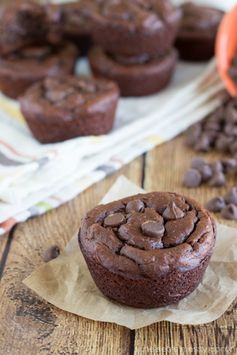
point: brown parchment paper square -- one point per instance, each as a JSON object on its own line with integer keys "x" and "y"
{"x": 66, "y": 283}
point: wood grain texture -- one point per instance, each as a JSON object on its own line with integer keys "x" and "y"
{"x": 3, "y": 252}
{"x": 28, "y": 324}
{"x": 164, "y": 171}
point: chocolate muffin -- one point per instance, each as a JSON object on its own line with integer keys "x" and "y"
{"x": 196, "y": 37}
{"x": 60, "y": 108}
{"x": 133, "y": 27}
{"x": 21, "y": 69}
{"x": 72, "y": 20}
{"x": 22, "y": 23}
{"x": 148, "y": 250}
{"x": 135, "y": 76}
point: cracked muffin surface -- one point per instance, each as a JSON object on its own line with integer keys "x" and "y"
{"x": 134, "y": 27}
{"x": 148, "y": 250}
{"x": 64, "y": 107}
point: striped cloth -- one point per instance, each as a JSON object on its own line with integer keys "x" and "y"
{"x": 35, "y": 178}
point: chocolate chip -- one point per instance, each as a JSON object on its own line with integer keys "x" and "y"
{"x": 206, "y": 172}
{"x": 223, "y": 143}
{"x": 203, "y": 143}
{"x": 135, "y": 205}
{"x": 213, "y": 126}
{"x": 216, "y": 204}
{"x": 217, "y": 180}
{"x": 198, "y": 163}
{"x": 203, "y": 168}
{"x": 192, "y": 134}
{"x": 217, "y": 166}
{"x": 114, "y": 220}
{"x": 231, "y": 196}
{"x": 229, "y": 165}
{"x": 173, "y": 212}
{"x": 51, "y": 253}
{"x": 231, "y": 113}
{"x": 192, "y": 178}
{"x": 229, "y": 212}
{"x": 153, "y": 229}
{"x": 233, "y": 148}
{"x": 230, "y": 130}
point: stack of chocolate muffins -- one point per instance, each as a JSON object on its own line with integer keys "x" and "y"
{"x": 29, "y": 50}
{"x": 134, "y": 42}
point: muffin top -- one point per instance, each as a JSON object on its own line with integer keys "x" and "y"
{"x": 198, "y": 18}
{"x": 150, "y": 15}
{"x": 72, "y": 17}
{"x": 21, "y": 20}
{"x": 147, "y": 234}
{"x": 69, "y": 93}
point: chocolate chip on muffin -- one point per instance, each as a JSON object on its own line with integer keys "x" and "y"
{"x": 156, "y": 255}
{"x": 133, "y": 27}
{"x": 21, "y": 69}
{"x": 135, "y": 76}
{"x": 196, "y": 37}
{"x": 64, "y": 107}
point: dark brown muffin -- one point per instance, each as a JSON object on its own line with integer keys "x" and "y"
{"x": 72, "y": 20}
{"x": 60, "y": 108}
{"x": 22, "y": 23}
{"x": 135, "y": 76}
{"x": 21, "y": 69}
{"x": 148, "y": 250}
{"x": 196, "y": 37}
{"x": 133, "y": 27}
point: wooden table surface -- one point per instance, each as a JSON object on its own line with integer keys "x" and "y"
{"x": 28, "y": 325}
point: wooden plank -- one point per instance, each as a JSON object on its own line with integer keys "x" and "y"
{"x": 164, "y": 171}
{"x": 3, "y": 252}
{"x": 28, "y": 324}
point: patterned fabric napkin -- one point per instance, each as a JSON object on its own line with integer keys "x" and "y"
{"x": 35, "y": 178}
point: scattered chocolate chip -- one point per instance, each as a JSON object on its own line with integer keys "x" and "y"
{"x": 153, "y": 229}
{"x": 231, "y": 196}
{"x": 135, "y": 205}
{"x": 217, "y": 180}
{"x": 203, "y": 168}
{"x": 233, "y": 148}
{"x": 229, "y": 165}
{"x": 51, "y": 253}
{"x": 192, "y": 178}
{"x": 203, "y": 143}
{"x": 216, "y": 204}
{"x": 231, "y": 114}
{"x": 229, "y": 212}
{"x": 230, "y": 129}
{"x": 217, "y": 166}
{"x": 173, "y": 212}
{"x": 193, "y": 134}
{"x": 223, "y": 143}
{"x": 213, "y": 126}
{"x": 197, "y": 163}
{"x": 114, "y": 220}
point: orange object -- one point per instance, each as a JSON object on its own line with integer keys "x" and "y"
{"x": 226, "y": 48}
